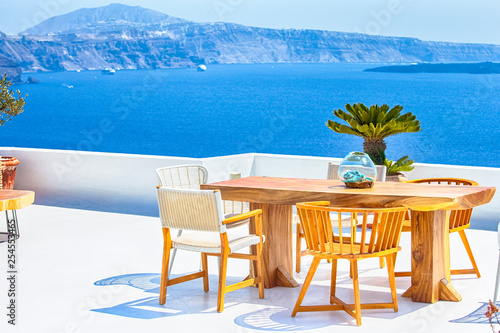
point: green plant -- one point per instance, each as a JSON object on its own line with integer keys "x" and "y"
{"x": 374, "y": 124}
{"x": 403, "y": 164}
{"x": 10, "y": 106}
{"x": 393, "y": 168}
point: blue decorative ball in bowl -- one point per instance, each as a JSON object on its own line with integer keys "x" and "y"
{"x": 357, "y": 170}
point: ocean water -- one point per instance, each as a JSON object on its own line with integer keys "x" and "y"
{"x": 270, "y": 108}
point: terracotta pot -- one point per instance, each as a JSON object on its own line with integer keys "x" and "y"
{"x": 8, "y": 172}
{"x": 399, "y": 177}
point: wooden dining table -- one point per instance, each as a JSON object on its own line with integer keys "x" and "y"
{"x": 430, "y": 280}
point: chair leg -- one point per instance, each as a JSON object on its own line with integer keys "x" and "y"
{"x": 333, "y": 279}
{"x": 394, "y": 257}
{"x": 204, "y": 265}
{"x": 222, "y": 273}
{"x": 381, "y": 262}
{"x": 392, "y": 280}
{"x": 307, "y": 282}
{"x": 469, "y": 251}
{"x": 174, "y": 252}
{"x": 167, "y": 246}
{"x": 298, "y": 248}
{"x": 355, "y": 284}
{"x": 260, "y": 270}
{"x": 497, "y": 283}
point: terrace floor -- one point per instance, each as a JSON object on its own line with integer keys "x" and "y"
{"x": 87, "y": 271}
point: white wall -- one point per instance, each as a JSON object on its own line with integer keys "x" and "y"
{"x": 220, "y": 168}
{"x": 126, "y": 183}
{"x": 291, "y": 166}
{"x": 122, "y": 183}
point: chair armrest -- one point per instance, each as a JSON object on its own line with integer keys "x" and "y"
{"x": 242, "y": 216}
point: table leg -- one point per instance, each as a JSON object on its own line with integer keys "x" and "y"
{"x": 278, "y": 253}
{"x": 430, "y": 258}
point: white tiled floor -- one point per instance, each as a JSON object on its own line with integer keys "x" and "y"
{"x": 86, "y": 271}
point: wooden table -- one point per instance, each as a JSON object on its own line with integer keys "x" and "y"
{"x": 11, "y": 200}
{"x": 430, "y": 242}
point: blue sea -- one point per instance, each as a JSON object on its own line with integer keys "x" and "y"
{"x": 269, "y": 108}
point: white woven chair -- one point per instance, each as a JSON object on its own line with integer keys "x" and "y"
{"x": 191, "y": 176}
{"x": 332, "y": 173}
{"x": 202, "y": 212}
{"x": 182, "y": 176}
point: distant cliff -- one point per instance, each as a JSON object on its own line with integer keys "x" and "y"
{"x": 10, "y": 68}
{"x": 125, "y": 37}
{"x": 475, "y": 68}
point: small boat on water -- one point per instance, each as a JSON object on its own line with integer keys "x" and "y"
{"x": 202, "y": 68}
{"x": 108, "y": 71}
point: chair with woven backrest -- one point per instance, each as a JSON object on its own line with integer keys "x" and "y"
{"x": 325, "y": 239}
{"x": 191, "y": 176}
{"x": 459, "y": 220}
{"x": 332, "y": 173}
{"x": 202, "y": 212}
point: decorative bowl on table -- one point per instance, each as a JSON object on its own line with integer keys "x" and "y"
{"x": 357, "y": 170}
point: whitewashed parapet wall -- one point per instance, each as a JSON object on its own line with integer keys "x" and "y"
{"x": 123, "y": 183}
{"x": 126, "y": 183}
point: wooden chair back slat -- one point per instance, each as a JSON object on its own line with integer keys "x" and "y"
{"x": 339, "y": 226}
{"x": 364, "y": 225}
{"x": 375, "y": 226}
{"x": 329, "y": 229}
{"x": 320, "y": 231}
{"x": 310, "y": 230}
{"x": 385, "y": 233}
{"x": 354, "y": 222}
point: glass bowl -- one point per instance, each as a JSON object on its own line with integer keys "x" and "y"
{"x": 357, "y": 167}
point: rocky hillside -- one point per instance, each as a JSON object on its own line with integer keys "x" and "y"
{"x": 125, "y": 37}
{"x": 10, "y": 68}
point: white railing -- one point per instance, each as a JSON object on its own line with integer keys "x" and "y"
{"x": 126, "y": 183}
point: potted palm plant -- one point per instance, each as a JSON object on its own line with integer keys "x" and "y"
{"x": 374, "y": 124}
{"x": 10, "y": 106}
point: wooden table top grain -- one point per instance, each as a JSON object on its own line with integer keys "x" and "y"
{"x": 289, "y": 191}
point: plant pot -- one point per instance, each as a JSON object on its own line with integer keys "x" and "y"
{"x": 399, "y": 177}
{"x": 9, "y": 165}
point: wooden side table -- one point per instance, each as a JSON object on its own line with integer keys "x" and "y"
{"x": 10, "y": 201}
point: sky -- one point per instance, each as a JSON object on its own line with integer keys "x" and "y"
{"x": 464, "y": 21}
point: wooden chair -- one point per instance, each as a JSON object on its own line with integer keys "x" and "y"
{"x": 327, "y": 241}
{"x": 459, "y": 221}
{"x": 191, "y": 176}
{"x": 332, "y": 173}
{"x": 202, "y": 211}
